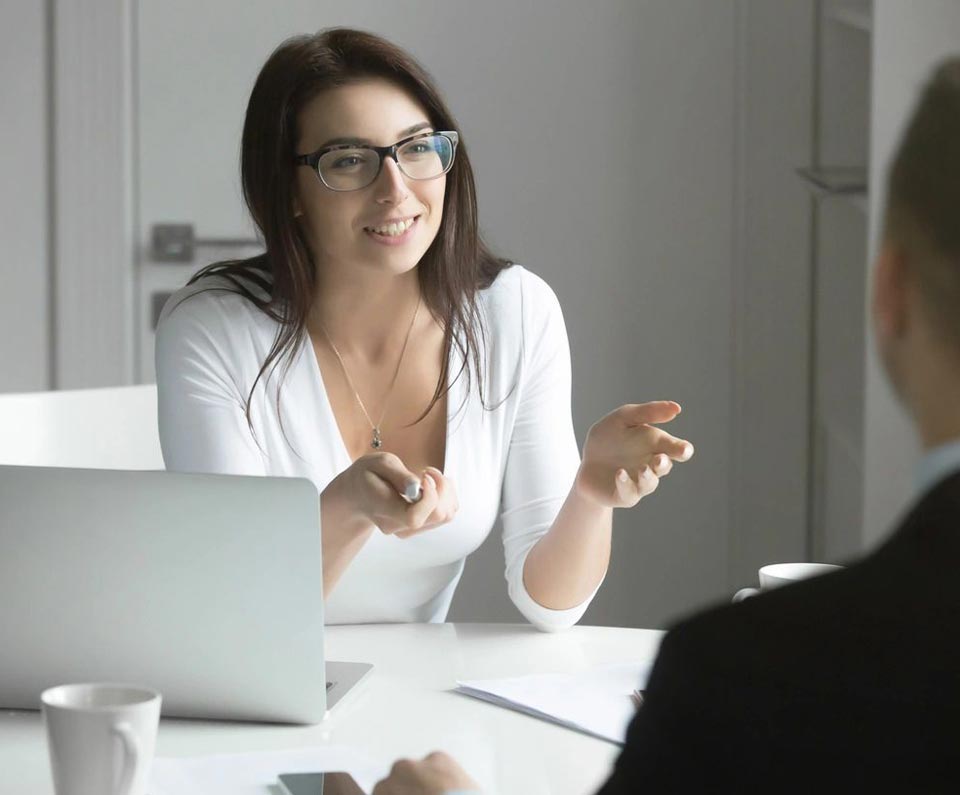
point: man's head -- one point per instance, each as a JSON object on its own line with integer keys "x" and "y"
{"x": 916, "y": 300}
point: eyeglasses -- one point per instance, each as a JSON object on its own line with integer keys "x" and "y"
{"x": 350, "y": 167}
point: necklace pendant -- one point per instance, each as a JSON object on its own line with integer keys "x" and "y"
{"x": 376, "y": 444}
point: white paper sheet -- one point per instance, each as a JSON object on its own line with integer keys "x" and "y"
{"x": 596, "y": 702}
{"x": 256, "y": 773}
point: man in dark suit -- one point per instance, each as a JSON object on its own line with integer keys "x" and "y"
{"x": 851, "y": 680}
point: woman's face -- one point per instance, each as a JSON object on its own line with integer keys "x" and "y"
{"x": 338, "y": 223}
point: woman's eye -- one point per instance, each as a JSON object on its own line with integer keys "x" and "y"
{"x": 347, "y": 162}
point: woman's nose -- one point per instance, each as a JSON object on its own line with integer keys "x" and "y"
{"x": 391, "y": 183}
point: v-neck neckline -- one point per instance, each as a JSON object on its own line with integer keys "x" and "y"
{"x": 453, "y": 396}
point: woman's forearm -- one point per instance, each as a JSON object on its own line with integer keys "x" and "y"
{"x": 342, "y": 536}
{"x": 565, "y": 566}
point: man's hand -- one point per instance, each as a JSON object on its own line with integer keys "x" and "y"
{"x": 436, "y": 774}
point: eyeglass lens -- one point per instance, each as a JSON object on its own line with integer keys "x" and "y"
{"x": 350, "y": 169}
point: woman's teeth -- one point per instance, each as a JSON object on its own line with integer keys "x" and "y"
{"x": 392, "y": 230}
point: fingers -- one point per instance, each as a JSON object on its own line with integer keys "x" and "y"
{"x": 436, "y": 772}
{"x": 642, "y": 416}
{"x": 418, "y": 513}
{"x": 389, "y": 467}
{"x": 661, "y": 465}
{"x": 397, "y": 517}
{"x": 656, "y": 441}
{"x": 444, "y": 510}
{"x": 652, "y": 412}
{"x": 630, "y": 490}
{"x": 647, "y": 481}
{"x": 448, "y": 504}
{"x": 402, "y": 778}
{"x": 393, "y": 512}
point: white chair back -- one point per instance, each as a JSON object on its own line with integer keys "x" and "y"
{"x": 108, "y": 428}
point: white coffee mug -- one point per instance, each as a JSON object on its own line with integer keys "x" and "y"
{"x": 100, "y": 737}
{"x": 777, "y": 574}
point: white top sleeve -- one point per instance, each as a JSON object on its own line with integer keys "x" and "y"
{"x": 201, "y": 410}
{"x": 543, "y": 457}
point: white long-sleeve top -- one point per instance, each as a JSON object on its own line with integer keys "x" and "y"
{"x": 513, "y": 461}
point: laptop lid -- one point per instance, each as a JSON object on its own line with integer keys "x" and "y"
{"x": 204, "y": 587}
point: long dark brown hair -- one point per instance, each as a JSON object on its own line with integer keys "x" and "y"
{"x": 452, "y": 270}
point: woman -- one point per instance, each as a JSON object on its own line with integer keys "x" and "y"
{"x": 379, "y": 349}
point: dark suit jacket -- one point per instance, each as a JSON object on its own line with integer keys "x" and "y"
{"x": 850, "y": 681}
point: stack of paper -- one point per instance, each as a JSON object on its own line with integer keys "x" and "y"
{"x": 596, "y": 702}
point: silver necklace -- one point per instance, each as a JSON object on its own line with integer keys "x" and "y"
{"x": 377, "y": 441}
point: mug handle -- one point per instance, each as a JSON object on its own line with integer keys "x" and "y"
{"x": 745, "y": 593}
{"x": 131, "y": 756}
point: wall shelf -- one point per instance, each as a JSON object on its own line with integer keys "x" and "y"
{"x": 837, "y": 172}
{"x": 852, "y": 18}
{"x": 835, "y": 180}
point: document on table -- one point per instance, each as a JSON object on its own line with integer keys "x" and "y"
{"x": 256, "y": 773}
{"x": 596, "y": 702}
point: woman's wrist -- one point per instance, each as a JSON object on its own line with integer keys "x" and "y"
{"x": 338, "y": 515}
{"x": 583, "y": 494}
{"x": 342, "y": 534}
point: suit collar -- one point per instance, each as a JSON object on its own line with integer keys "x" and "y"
{"x": 937, "y": 464}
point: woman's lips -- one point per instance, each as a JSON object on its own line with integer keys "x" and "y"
{"x": 394, "y": 240}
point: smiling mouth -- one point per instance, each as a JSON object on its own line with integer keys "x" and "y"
{"x": 392, "y": 230}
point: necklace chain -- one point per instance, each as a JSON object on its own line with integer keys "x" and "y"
{"x": 376, "y": 442}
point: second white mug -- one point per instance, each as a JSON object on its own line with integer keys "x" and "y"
{"x": 101, "y": 737}
{"x": 776, "y": 574}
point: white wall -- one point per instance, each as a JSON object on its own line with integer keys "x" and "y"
{"x": 24, "y": 217}
{"x": 94, "y": 202}
{"x": 771, "y": 291}
{"x": 908, "y": 40}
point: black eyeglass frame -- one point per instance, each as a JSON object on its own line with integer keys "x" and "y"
{"x": 312, "y": 159}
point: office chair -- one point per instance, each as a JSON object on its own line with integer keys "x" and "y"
{"x": 105, "y": 428}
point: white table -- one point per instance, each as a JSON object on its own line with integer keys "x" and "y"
{"x": 404, "y": 708}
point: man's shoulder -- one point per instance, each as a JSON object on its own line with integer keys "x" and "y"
{"x": 821, "y": 634}
{"x": 783, "y": 635}
{"x": 854, "y": 670}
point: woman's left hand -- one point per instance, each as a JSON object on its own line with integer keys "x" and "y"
{"x": 625, "y": 456}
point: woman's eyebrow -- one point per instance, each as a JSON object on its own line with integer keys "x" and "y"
{"x": 402, "y": 134}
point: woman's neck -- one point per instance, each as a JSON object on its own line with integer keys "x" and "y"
{"x": 366, "y": 315}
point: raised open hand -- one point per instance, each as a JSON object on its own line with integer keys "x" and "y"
{"x": 625, "y": 456}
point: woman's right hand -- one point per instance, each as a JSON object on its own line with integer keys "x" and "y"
{"x": 369, "y": 490}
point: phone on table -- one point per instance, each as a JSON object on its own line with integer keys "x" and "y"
{"x": 319, "y": 784}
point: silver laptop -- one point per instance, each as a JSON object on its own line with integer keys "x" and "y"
{"x": 204, "y": 587}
